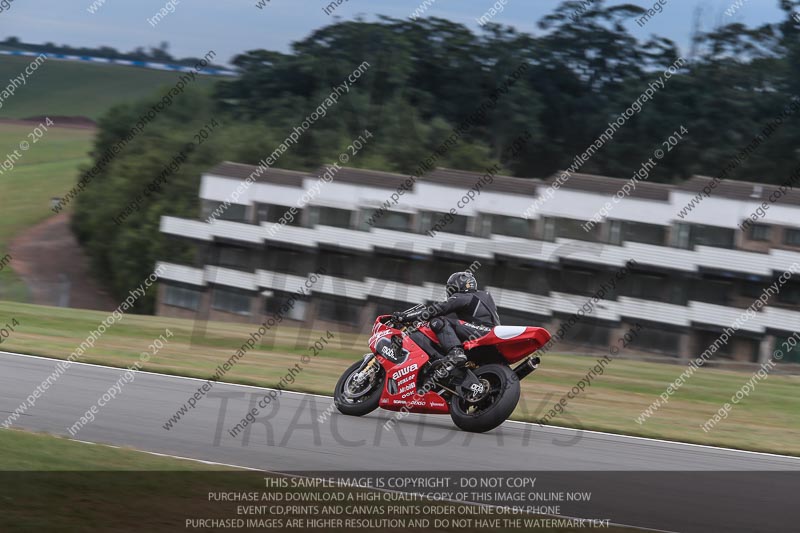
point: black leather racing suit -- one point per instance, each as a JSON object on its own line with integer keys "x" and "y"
{"x": 477, "y": 309}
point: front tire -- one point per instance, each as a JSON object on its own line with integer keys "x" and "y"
{"x": 367, "y": 402}
{"x": 494, "y": 407}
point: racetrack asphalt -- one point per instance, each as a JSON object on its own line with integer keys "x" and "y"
{"x": 647, "y": 483}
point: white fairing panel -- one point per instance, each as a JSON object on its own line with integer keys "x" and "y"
{"x": 509, "y": 332}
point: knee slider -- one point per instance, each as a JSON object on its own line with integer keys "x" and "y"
{"x": 437, "y": 324}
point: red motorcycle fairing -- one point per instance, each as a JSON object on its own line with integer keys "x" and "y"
{"x": 514, "y": 343}
{"x": 403, "y": 373}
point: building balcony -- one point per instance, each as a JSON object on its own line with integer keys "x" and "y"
{"x": 609, "y": 255}
{"x": 560, "y": 303}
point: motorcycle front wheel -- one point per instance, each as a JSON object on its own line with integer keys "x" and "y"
{"x": 357, "y": 397}
{"x": 493, "y": 406}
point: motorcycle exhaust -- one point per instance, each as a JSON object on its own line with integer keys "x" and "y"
{"x": 527, "y": 367}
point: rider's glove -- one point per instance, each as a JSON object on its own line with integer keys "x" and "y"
{"x": 399, "y": 318}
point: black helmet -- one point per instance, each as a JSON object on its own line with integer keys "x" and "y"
{"x": 460, "y": 282}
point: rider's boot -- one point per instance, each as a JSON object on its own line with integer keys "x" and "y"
{"x": 455, "y": 358}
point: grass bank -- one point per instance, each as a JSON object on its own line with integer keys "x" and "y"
{"x": 46, "y": 169}
{"x": 70, "y": 88}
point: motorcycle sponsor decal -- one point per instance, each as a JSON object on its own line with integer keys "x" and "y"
{"x": 406, "y": 395}
{"x": 476, "y": 388}
{"x": 405, "y": 380}
{"x": 404, "y": 371}
{"x": 386, "y": 348}
{"x": 377, "y": 336}
{"x": 410, "y": 386}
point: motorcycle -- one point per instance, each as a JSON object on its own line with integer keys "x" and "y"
{"x": 399, "y": 374}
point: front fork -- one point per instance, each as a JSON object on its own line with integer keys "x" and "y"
{"x": 367, "y": 365}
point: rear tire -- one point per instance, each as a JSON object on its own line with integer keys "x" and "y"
{"x": 365, "y": 404}
{"x": 495, "y": 408}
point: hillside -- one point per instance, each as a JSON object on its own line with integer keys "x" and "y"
{"x": 46, "y": 170}
{"x": 66, "y": 88}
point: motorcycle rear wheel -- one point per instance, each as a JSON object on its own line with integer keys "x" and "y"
{"x": 364, "y": 404}
{"x": 495, "y": 406}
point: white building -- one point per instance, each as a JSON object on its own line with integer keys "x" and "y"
{"x": 692, "y": 277}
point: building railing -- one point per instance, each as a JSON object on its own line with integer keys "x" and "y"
{"x": 521, "y": 302}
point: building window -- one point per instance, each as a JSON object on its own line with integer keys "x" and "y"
{"x": 678, "y": 292}
{"x": 339, "y": 310}
{"x": 511, "y": 226}
{"x": 790, "y": 348}
{"x": 615, "y": 232}
{"x": 548, "y": 229}
{"x": 760, "y": 232}
{"x": 288, "y": 261}
{"x": 483, "y": 226}
{"x": 712, "y": 236}
{"x": 276, "y": 305}
{"x": 182, "y": 297}
{"x": 707, "y": 338}
{"x": 790, "y": 294}
{"x": 688, "y": 236}
{"x": 752, "y": 287}
{"x": 390, "y": 269}
{"x": 680, "y": 235}
{"x": 273, "y": 213}
{"x": 792, "y": 237}
{"x": 342, "y": 265}
{"x": 234, "y": 212}
{"x": 712, "y": 291}
{"x": 444, "y": 222}
{"x": 332, "y": 216}
{"x": 233, "y": 257}
{"x": 644, "y": 233}
{"x": 586, "y": 333}
{"x": 577, "y": 281}
{"x": 393, "y": 220}
{"x": 570, "y": 228}
{"x": 520, "y": 278}
{"x": 659, "y": 341}
{"x": 646, "y": 287}
{"x": 231, "y": 301}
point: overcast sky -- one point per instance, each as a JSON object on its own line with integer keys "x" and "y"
{"x": 232, "y": 26}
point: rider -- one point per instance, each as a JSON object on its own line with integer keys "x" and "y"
{"x": 465, "y": 303}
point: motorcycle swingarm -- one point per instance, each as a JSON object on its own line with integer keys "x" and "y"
{"x": 463, "y": 385}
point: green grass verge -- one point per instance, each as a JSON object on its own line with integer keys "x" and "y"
{"x": 47, "y": 169}
{"x": 768, "y": 420}
{"x": 24, "y": 451}
{"x": 69, "y": 88}
{"x": 55, "y": 484}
